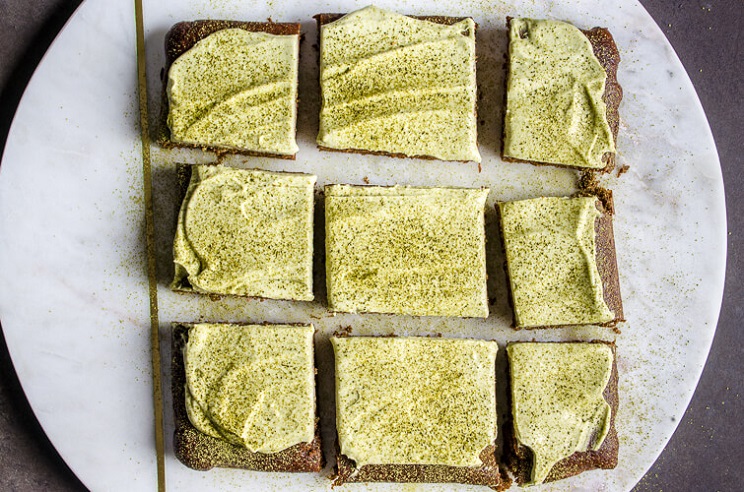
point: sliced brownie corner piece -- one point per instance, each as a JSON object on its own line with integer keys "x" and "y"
{"x": 560, "y": 262}
{"x": 534, "y": 128}
{"x": 378, "y": 106}
{"x": 416, "y": 410}
{"x": 233, "y": 88}
{"x": 229, "y": 242}
{"x": 217, "y": 445}
{"x": 569, "y": 371}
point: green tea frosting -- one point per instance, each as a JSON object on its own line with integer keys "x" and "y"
{"x": 418, "y": 401}
{"x": 557, "y": 403}
{"x": 551, "y": 257}
{"x": 253, "y": 386}
{"x": 401, "y": 85}
{"x": 246, "y": 232}
{"x": 406, "y": 250}
{"x": 555, "y": 112}
{"x": 236, "y": 89}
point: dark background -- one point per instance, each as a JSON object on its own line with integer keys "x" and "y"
{"x": 707, "y": 450}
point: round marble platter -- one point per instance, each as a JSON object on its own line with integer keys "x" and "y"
{"x": 74, "y": 300}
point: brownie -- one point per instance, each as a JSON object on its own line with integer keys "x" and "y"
{"x": 519, "y": 458}
{"x": 203, "y": 452}
{"x": 606, "y": 261}
{"x": 282, "y": 250}
{"x": 182, "y": 37}
{"x": 488, "y": 474}
{"x": 406, "y": 250}
{"x": 347, "y": 470}
{"x": 608, "y": 56}
{"x": 326, "y": 18}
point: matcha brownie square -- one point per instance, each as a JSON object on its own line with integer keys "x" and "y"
{"x": 244, "y": 397}
{"x": 564, "y": 400}
{"x": 231, "y": 86}
{"x": 562, "y": 95}
{"x": 416, "y": 410}
{"x": 398, "y": 85}
{"x": 406, "y": 250}
{"x": 245, "y": 232}
{"x": 560, "y": 262}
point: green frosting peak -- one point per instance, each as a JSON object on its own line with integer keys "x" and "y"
{"x": 253, "y": 386}
{"x": 236, "y": 89}
{"x": 555, "y": 113}
{"x": 557, "y": 402}
{"x": 397, "y": 84}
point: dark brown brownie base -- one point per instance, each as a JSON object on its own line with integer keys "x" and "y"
{"x": 182, "y": 37}
{"x": 397, "y": 155}
{"x": 202, "y": 452}
{"x": 183, "y": 173}
{"x": 606, "y": 264}
{"x": 606, "y": 257}
{"x": 608, "y": 55}
{"x": 519, "y": 458}
{"x": 322, "y": 19}
{"x": 488, "y": 474}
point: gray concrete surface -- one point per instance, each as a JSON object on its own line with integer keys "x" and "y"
{"x": 706, "y": 452}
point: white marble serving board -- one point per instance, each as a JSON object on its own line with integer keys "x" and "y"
{"x": 73, "y": 286}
